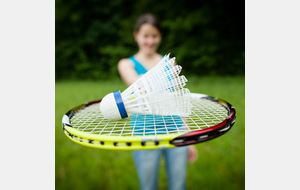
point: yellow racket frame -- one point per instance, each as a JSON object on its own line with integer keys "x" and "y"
{"x": 108, "y": 142}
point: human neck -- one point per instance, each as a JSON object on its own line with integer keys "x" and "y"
{"x": 144, "y": 55}
{"x": 148, "y": 60}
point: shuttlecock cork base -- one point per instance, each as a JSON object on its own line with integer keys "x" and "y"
{"x": 160, "y": 91}
{"x": 112, "y": 106}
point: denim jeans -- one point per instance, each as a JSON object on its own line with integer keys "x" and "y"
{"x": 147, "y": 165}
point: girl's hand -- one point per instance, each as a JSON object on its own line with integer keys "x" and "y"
{"x": 192, "y": 154}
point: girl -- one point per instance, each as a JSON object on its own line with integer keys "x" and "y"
{"x": 147, "y": 35}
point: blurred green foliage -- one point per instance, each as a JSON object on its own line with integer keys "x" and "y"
{"x": 91, "y": 36}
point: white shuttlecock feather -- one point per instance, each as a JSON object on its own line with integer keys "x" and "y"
{"x": 160, "y": 91}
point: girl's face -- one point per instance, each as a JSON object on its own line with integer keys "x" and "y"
{"x": 148, "y": 38}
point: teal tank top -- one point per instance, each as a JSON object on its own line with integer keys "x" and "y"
{"x": 139, "y": 68}
{"x": 153, "y": 124}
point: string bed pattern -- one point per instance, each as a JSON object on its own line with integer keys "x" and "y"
{"x": 205, "y": 113}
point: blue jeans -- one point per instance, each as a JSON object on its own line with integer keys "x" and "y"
{"x": 147, "y": 165}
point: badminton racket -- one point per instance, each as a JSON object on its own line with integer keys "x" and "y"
{"x": 210, "y": 118}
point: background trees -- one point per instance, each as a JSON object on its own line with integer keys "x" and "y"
{"x": 207, "y": 37}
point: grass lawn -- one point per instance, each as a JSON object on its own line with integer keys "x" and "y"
{"x": 220, "y": 164}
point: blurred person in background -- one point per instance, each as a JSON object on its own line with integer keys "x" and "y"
{"x": 147, "y": 35}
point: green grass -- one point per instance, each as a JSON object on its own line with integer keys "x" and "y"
{"x": 220, "y": 164}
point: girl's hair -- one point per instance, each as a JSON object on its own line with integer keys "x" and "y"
{"x": 147, "y": 19}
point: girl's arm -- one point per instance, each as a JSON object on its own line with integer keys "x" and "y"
{"x": 127, "y": 72}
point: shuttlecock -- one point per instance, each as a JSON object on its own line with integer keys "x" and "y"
{"x": 160, "y": 91}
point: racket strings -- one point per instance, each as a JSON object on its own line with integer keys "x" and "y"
{"x": 205, "y": 113}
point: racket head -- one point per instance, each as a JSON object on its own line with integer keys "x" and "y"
{"x": 211, "y": 117}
